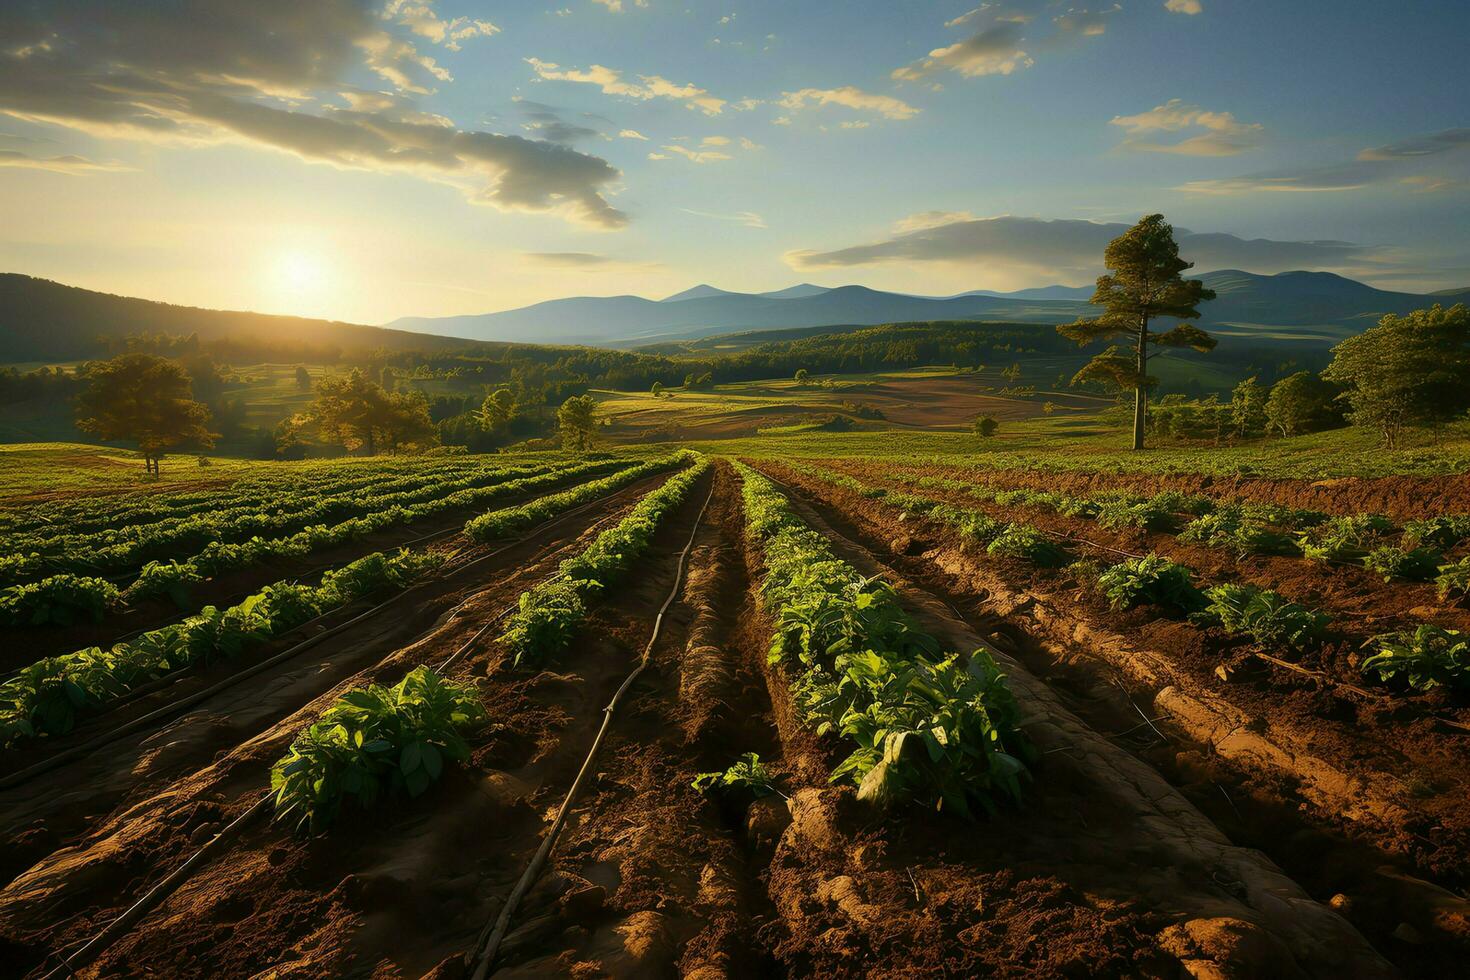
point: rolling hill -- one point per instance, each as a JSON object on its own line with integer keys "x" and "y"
{"x": 41, "y": 320}
{"x": 1318, "y": 307}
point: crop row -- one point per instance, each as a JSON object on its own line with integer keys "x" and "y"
{"x": 123, "y": 548}
{"x": 67, "y": 598}
{"x": 509, "y": 520}
{"x": 1424, "y": 657}
{"x": 550, "y": 612}
{"x": 47, "y": 697}
{"x": 925, "y": 725}
{"x": 296, "y": 482}
{"x": 1246, "y": 528}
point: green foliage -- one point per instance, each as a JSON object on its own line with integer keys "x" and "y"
{"x": 1117, "y": 515}
{"x": 576, "y": 421}
{"x": 1239, "y": 529}
{"x": 359, "y": 414}
{"x": 143, "y": 399}
{"x": 1453, "y": 581}
{"x": 923, "y": 725}
{"x": 549, "y": 613}
{"x": 1444, "y": 531}
{"x": 1265, "y": 616}
{"x": 375, "y": 740}
{"x": 1026, "y": 542}
{"x": 747, "y": 775}
{"x": 985, "y": 426}
{"x": 1343, "y": 538}
{"x": 47, "y": 697}
{"x": 1151, "y": 579}
{"x": 61, "y": 600}
{"x": 1427, "y": 658}
{"x": 1418, "y": 565}
{"x": 1408, "y": 371}
{"x": 509, "y": 520}
{"x": 159, "y": 578}
{"x": 1302, "y": 402}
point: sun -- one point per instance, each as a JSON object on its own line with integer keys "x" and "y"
{"x": 300, "y": 271}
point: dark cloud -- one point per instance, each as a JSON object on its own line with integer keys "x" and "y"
{"x": 546, "y": 122}
{"x": 1435, "y": 162}
{"x": 1074, "y": 248}
{"x": 569, "y": 259}
{"x": 222, "y": 70}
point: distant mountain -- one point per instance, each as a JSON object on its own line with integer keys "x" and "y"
{"x": 41, "y": 320}
{"x": 698, "y": 292}
{"x": 1317, "y": 307}
{"x": 1080, "y": 293}
{"x": 1458, "y": 294}
{"x": 796, "y": 292}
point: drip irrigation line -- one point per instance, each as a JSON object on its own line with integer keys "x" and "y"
{"x": 487, "y": 946}
{"x": 65, "y": 756}
{"x": 155, "y": 896}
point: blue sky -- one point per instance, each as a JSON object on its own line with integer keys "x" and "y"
{"x": 367, "y": 160}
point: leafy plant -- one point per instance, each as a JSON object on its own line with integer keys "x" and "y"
{"x": 170, "y": 578}
{"x": 1419, "y": 565}
{"x": 1117, "y": 515}
{"x": 375, "y": 740}
{"x": 1151, "y": 579}
{"x": 748, "y": 775}
{"x": 1427, "y": 658}
{"x": 1026, "y": 542}
{"x": 1265, "y": 616}
{"x": 1454, "y": 581}
{"x": 1343, "y": 538}
{"x": 1444, "y": 531}
{"x": 60, "y": 600}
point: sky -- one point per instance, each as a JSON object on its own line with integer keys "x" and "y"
{"x": 364, "y": 160}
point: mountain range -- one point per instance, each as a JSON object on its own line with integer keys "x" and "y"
{"x": 1304, "y": 306}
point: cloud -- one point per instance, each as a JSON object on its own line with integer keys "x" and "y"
{"x": 1436, "y": 161}
{"x": 1067, "y": 248}
{"x": 1216, "y": 134}
{"x": 217, "y": 71}
{"x": 849, "y": 97}
{"x": 68, "y": 164}
{"x": 929, "y": 219}
{"x": 747, "y": 218}
{"x": 993, "y": 51}
{"x": 616, "y": 6}
{"x": 1190, "y": 7}
{"x": 611, "y": 82}
{"x": 419, "y": 17}
{"x": 632, "y": 134}
{"x": 546, "y": 122}
{"x": 694, "y": 156}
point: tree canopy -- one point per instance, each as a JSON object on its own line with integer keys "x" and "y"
{"x": 145, "y": 399}
{"x": 1408, "y": 371}
{"x": 1143, "y": 284}
{"x": 358, "y": 413}
{"x": 577, "y": 422}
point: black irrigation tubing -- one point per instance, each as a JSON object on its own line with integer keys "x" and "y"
{"x": 151, "y": 899}
{"x": 488, "y": 944}
{"x": 20, "y": 776}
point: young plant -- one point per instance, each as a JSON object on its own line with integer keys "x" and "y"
{"x": 375, "y": 740}
{"x": 1026, "y": 542}
{"x": 60, "y": 600}
{"x": 1419, "y": 565}
{"x": 747, "y": 775}
{"x": 1265, "y": 616}
{"x": 1453, "y": 581}
{"x": 1443, "y": 532}
{"x": 1427, "y": 658}
{"x": 1151, "y": 579}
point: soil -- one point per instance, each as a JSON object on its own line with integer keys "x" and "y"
{"x": 1107, "y": 870}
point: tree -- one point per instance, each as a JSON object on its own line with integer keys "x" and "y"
{"x": 576, "y": 420}
{"x": 801, "y": 376}
{"x": 985, "y": 426}
{"x": 498, "y": 409}
{"x": 658, "y": 389}
{"x": 145, "y": 399}
{"x": 1248, "y": 407}
{"x": 1143, "y": 285}
{"x": 303, "y": 378}
{"x": 1302, "y": 402}
{"x": 1407, "y": 371}
{"x": 358, "y": 414}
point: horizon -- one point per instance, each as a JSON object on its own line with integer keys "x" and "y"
{"x": 366, "y": 162}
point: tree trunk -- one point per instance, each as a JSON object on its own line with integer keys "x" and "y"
{"x": 1140, "y": 393}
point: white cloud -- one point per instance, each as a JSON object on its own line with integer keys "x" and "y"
{"x": 1436, "y": 161}
{"x": 993, "y": 51}
{"x": 715, "y": 141}
{"x": 616, "y": 6}
{"x": 1190, "y": 7}
{"x": 849, "y": 97}
{"x": 632, "y": 134}
{"x": 612, "y": 83}
{"x": 1216, "y": 134}
{"x": 419, "y": 17}
{"x": 694, "y": 156}
{"x": 67, "y": 164}
{"x": 747, "y": 218}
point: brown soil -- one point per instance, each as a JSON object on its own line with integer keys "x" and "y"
{"x": 1107, "y": 870}
{"x": 1351, "y": 798}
